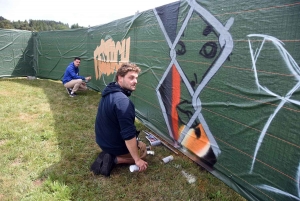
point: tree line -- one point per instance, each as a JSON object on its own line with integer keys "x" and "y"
{"x": 36, "y": 25}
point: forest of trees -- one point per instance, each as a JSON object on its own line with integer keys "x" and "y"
{"x": 35, "y": 25}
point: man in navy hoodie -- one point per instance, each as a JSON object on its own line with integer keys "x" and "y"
{"x": 72, "y": 80}
{"x": 115, "y": 131}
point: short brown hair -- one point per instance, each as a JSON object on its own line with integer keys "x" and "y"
{"x": 125, "y": 68}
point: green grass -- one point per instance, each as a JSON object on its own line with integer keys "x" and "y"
{"x": 47, "y": 146}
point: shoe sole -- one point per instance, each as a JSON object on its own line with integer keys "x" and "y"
{"x": 108, "y": 162}
{"x": 96, "y": 166}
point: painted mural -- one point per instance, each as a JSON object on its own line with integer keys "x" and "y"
{"x": 199, "y": 114}
{"x": 220, "y": 82}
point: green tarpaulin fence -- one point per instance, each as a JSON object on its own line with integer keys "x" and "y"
{"x": 220, "y": 82}
{"x": 16, "y": 53}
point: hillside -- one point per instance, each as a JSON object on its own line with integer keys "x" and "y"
{"x": 35, "y": 25}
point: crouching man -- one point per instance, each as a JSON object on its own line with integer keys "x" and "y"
{"x": 115, "y": 131}
{"x": 72, "y": 80}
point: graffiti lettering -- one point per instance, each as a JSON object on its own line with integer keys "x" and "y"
{"x": 109, "y": 55}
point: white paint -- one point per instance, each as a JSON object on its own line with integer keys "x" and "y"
{"x": 293, "y": 68}
{"x": 190, "y": 178}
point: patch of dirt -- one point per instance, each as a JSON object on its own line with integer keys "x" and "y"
{"x": 17, "y": 162}
{"x": 38, "y": 182}
{"x": 27, "y": 117}
{"x": 2, "y": 142}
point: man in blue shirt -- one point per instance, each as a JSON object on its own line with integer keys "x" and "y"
{"x": 115, "y": 131}
{"x": 72, "y": 81}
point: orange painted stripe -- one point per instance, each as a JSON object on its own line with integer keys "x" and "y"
{"x": 175, "y": 101}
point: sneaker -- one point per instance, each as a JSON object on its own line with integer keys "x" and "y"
{"x": 96, "y": 166}
{"x": 72, "y": 95}
{"x": 108, "y": 164}
{"x": 68, "y": 90}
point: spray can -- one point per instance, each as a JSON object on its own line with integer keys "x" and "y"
{"x": 168, "y": 159}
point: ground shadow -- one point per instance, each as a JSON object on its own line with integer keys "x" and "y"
{"x": 74, "y": 133}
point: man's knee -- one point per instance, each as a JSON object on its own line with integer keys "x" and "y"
{"x": 72, "y": 83}
{"x": 142, "y": 149}
{"x": 79, "y": 81}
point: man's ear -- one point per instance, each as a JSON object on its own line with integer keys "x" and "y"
{"x": 120, "y": 79}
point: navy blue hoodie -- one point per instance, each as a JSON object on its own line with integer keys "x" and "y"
{"x": 115, "y": 120}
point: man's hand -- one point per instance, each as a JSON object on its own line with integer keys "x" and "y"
{"x": 142, "y": 165}
{"x": 88, "y": 78}
{"x": 134, "y": 152}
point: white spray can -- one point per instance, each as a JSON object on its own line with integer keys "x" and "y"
{"x": 168, "y": 159}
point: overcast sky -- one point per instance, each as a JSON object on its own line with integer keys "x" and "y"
{"x": 84, "y": 12}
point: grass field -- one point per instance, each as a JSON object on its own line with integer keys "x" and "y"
{"x": 47, "y": 145}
